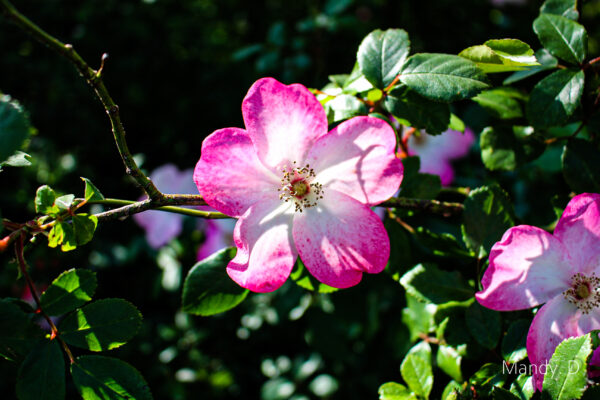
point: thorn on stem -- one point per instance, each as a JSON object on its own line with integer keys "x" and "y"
{"x": 102, "y": 62}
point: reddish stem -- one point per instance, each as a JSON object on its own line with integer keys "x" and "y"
{"x": 19, "y": 247}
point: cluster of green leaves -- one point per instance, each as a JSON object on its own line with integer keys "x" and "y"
{"x": 69, "y": 229}
{"x": 99, "y": 326}
{"x": 15, "y": 129}
{"x": 525, "y": 123}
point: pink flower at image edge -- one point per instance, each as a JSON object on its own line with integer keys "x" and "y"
{"x": 299, "y": 190}
{"x": 436, "y": 152}
{"x": 161, "y": 227}
{"x": 530, "y": 267}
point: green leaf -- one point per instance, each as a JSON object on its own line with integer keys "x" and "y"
{"x": 566, "y": 8}
{"x": 547, "y": 61}
{"x": 580, "y": 166}
{"x": 14, "y": 127}
{"x": 451, "y": 317}
{"x": 418, "y": 374}
{"x": 484, "y": 324}
{"x": 488, "y": 377}
{"x": 431, "y": 284}
{"x": 502, "y": 394}
{"x": 504, "y": 148}
{"x": 305, "y": 280}
{"x": 514, "y": 342}
{"x": 42, "y": 374}
{"x": 443, "y": 77}
{"x": 104, "y": 378}
{"x": 442, "y": 244}
{"x": 449, "y": 360}
{"x": 343, "y": 107}
{"x": 419, "y": 112}
{"x": 487, "y": 215}
{"x": 501, "y": 55}
{"x": 356, "y": 82}
{"x": 500, "y": 102}
{"x": 91, "y": 191}
{"x": 395, "y": 391}
{"x": 18, "y": 334}
{"x": 456, "y": 124}
{"x": 418, "y": 317}
{"x": 65, "y": 202}
{"x": 421, "y": 186}
{"x": 564, "y": 38}
{"x": 554, "y": 99}
{"x": 381, "y": 55}
{"x": 101, "y": 325}
{"x": 72, "y": 289}
{"x": 44, "y": 201}
{"x": 84, "y": 226}
{"x": 19, "y": 159}
{"x": 451, "y": 391}
{"x": 522, "y": 387}
{"x": 208, "y": 290}
{"x": 63, "y": 234}
{"x": 567, "y": 372}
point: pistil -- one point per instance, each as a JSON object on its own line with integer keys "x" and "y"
{"x": 297, "y": 185}
{"x": 583, "y": 292}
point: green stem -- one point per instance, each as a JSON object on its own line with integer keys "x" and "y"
{"x": 94, "y": 79}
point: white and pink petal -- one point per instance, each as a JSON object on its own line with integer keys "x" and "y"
{"x": 265, "y": 248}
{"x": 555, "y": 321}
{"x": 358, "y": 158}
{"x": 579, "y": 230}
{"x": 340, "y": 239}
{"x": 283, "y": 121}
{"x": 229, "y": 175}
{"x": 527, "y": 267}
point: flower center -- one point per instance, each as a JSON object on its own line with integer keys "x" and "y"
{"x": 584, "y": 292}
{"x": 297, "y": 185}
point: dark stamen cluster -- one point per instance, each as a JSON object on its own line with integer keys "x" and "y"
{"x": 296, "y": 186}
{"x": 583, "y": 292}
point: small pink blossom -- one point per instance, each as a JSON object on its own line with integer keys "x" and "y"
{"x": 299, "y": 190}
{"x": 217, "y": 236}
{"x": 160, "y": 226}
{"x": 530, "y": 266}
{"x": 436, "y": 152}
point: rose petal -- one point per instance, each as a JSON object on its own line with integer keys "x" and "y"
{"x": 528, "y": 267}
{"x": 340, "y": 239}
{"x": 160, "y": 227}
{"x": 358, "y": 158}
{"x": 579, "y": 230}
{"x": 435, "y": 152}
{"x": 554, "y": 322}
{"x": 230, "y": 176}
{"x": 266, "y": 252}
{"x": 283, "y": 121}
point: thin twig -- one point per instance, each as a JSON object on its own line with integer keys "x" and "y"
{"x": 444, "y": 208}
{"x": 19, "y": 247}
{"x": 94, "y": 79}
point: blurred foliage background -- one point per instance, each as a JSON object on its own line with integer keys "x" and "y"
{"x": 179, "y": 69}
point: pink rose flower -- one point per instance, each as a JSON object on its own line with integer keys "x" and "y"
{"x": 299, "y": 190}
{"x": 161, "y": 227}
{"x": 530, "y": 266}
{"x": 436, "y": 152}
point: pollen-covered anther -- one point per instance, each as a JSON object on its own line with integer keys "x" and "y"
{"x": 583, "y": 292}
{"x": 297, "y": 185}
